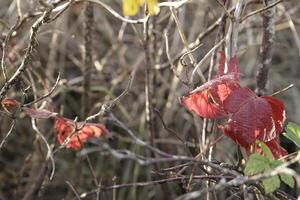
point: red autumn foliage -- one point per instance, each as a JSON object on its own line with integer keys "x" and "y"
{"x": 207, "y": 100}
{"x": 198, "y": 102}
{"x": 9, "y": 105}
{"x": 250, "y": 117}
{"x": 276, "y": 149}
{"x": 66, "y": 128}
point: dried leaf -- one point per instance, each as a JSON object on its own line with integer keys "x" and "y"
{"x": 66, "y": 128}
{"x": 10, "y": 105}
{"x": 40, "y": 114}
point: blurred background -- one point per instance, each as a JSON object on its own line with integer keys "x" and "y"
{"x": 118, "y": 57}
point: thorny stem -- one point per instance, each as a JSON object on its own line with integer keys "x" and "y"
{"x": 87, "y": 69}
{"x": 266, "y": 49}
{"x": 148, "y": 80}
{"x": 87, "y": 57}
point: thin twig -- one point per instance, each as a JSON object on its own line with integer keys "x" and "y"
{"x": 108, "y": 106}
{"x": 74, "y": 190}
{"x": 283, "y": 90}
{"x": 171, "y": 62}
{"x": 199, "y": 64}
{"x": 186, "y": 45}
{"x": 155, "y": 182}
{"x": 8, "y": 133}
{"x": 260, "y": 10}
{"x": 115, "y": 13}
{"x": 34, "y": 31}
{"x": 46, "y": 95}
{"x": 5, "y": 47}
{"x": 292, "y": 27}
{"x": 49, "y": 149}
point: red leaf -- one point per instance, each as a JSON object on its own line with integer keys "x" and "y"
{"x": 233, "y": 67}
{"x": 10, "y": 105}
{"x": 224, "y": 79}
{"x": 219, "y": 88}
{"x": 199, "y": 103}
{"x": 251, "y": 116}
{"x": 278, "y": 112}
{"x": 66, "y": 127}
{"x": 221, "y": 91}
{"x": 241, "y": 138}
{"x": 41, "y": 114}
{"x": 238, "y": 98}
{"x": 276, "y": 149}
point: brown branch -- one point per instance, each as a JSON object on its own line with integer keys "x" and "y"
{"x": 266, "y": 49}
{"x": 46, "y": 95}
{"x": 148, "y": 83}
{"x": 261, "y": 10}
{"x": 87, "y": 57}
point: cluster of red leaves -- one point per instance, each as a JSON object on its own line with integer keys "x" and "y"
{"x": 66, "y": 129}
{"x": 250, "y": 117}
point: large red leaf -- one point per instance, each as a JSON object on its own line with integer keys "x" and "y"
{"x": 251, "y": 115}
{"x": 199, "y": 103}
{"x": 66, "y": 127}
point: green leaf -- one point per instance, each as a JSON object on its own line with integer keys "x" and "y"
{"x": 271, "y": 184}
{"x": 293, "y": 133}
{"x": 256, "y": 164}
{"x": 268, "y": 154}
{"x": 275, "y": 163}
{"x": 287, "y": 179}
